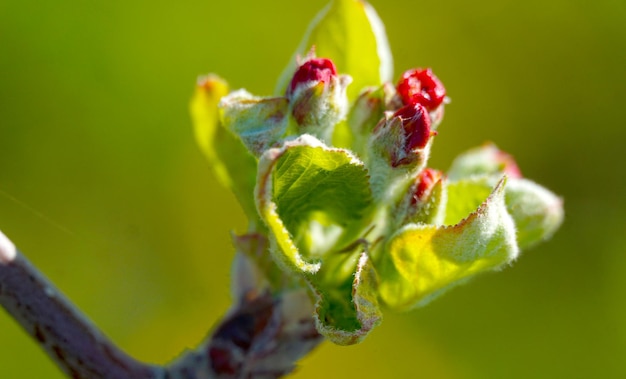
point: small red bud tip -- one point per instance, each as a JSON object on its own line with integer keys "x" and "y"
{"x": 315, "y": 69}
{"x": 510, "y": 167}
{"x": 426, "y": 180}
{"x": 418, "y": 86}
{"x": 416, "y": 124}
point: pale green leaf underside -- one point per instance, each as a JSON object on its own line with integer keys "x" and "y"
{"x": 421, "y": 261}
{"x": 350, "y": 34}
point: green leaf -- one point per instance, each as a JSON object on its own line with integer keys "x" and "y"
{"x": 422, "y": 261}
{"x": 536, "y": 211}
{"x": 346, "y": 313}
{"x": 315, "y": 200}
{"x": 464, "y": 197}
{"x": 259, "y": 122}
{"x": 312, "y": 198}
{"x": 350, "y": 33}
{"x": 233, "y": 165}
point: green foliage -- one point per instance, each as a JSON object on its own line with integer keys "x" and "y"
{"x": 368, "y": 221}
{"x": 424, "y": 260}
{"x": 233, "y": 164}
{"x": 349, "y": 33}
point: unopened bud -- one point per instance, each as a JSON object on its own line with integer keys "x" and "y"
{"x": 402, "y": 137}
{"x": 317, "y": 96}
{"x": 426, "y": 199}
{"x": 416, "y": 125}
{"x": 537, "y": 212}
{"x": 311, "y": 73}
{"x": 425, "y": 182}
{"x": 484, "y": 160}
{"x": 421, "y": 86}
{"x": 398, "y": 150}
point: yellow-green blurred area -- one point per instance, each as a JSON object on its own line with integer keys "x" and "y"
{"x": 103, "y": 187}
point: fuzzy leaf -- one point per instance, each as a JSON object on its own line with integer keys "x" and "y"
{"x": 536, "y": 211}
{"x": 314, "y": 199}
{"x": 311, "y": 197}
{"x": 233, "y": 165}
{"x": 464, "y": 197}
{"x": 346, "y": 313}
{"x": 422, "y": 261}
{"x": 350, "y": 33}
{"x": 258, "y": 122}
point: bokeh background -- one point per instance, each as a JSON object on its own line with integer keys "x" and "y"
{"x": 103, "y": 188}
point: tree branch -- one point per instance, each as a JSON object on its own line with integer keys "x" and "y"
{"x": 72, "y": 341}
{"x": 260, "y": 338}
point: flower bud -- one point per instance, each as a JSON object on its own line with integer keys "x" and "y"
{"x": 421, "y": 86}
{"x": 402, "y": 138}
{"x": 426, "y": 199}
{"x": 484, "y": 160}
{"x": 425, "y": 182}
{"x": 398, "y": 150}
{"x": 317, "y": 97}
{"x": 537, "y": 212}
{"x": 312, "y": 71}
{"x": 416, "y": 125}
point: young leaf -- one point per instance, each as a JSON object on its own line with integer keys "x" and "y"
{"x": 234, "y": 166}
{"x": 259, "y": 122}
{"x": 350, "y": 33}
{"x": 536, "y": 211}
{"x": 422, "y": 261}
{"x": 464, "y": 196}
{"x": 314, "y": 198}
{"x": 345, "y": 314}
{"x": 310, "y": 196}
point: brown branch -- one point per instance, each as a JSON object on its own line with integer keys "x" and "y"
{"x": 74, "y": 343}
{"x": 260, "y": 338}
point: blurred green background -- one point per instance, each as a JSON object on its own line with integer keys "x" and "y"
{"x": 103, "y": 188}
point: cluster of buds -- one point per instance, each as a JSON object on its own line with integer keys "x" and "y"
{"x": 337, "y": 182}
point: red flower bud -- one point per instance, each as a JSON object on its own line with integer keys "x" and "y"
{"x": 484, "y": 160}
{"x": 313, "y": 70}
{"x": 508, "y": 164}
{"x": 426, "y": 180}
{"x": 416, "y": 124}
{"x": 421, "y": 86}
